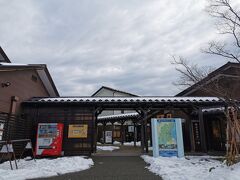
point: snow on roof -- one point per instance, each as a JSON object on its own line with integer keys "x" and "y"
{"x": 117, "y": 116}
{"x": 13, "y": 64}
{"x": 128, "y": 99}
{"x": 218, "y": 109}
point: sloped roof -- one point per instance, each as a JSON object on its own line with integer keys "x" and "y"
{"x": 3, "y": 56}
{"x": 41, "y": 70}
{"x": 120, "y": 99}
{"x": 210, "y": 76}
{"x": 115, "y": 90}
{"x": 118, "y": 116}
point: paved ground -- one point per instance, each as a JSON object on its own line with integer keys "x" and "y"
{"x": 112, "y": 168}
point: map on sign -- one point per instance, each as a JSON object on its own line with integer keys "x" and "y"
{"x": 167, "y": 138}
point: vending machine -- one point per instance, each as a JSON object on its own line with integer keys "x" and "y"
{"x": 49, "y": 139}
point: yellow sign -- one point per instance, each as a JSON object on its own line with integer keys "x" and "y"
{"x": 77, "y": 131}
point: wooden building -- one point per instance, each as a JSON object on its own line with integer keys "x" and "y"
{"x": 227, "y": 78}
{"x": 73, "y": 109}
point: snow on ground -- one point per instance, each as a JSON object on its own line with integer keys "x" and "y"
{"x": 107, "y": 148}
{"x": 138, "y": 143}
{"x": 192, "y": 168}
{"x": 116, "y": 143}
{"x": 44, "y": 167}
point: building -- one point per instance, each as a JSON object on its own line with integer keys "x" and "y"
{"x": 113, "y": 130}
{"x": 21, "y": 82}
{"x": 18, "y": 83}
{"x": 227, "y": 78}
{"x": 203, "y": 121}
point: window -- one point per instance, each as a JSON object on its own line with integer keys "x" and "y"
{"x": 34, "y": 78}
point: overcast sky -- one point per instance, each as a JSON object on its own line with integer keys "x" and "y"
{"x": 124, "y": 44}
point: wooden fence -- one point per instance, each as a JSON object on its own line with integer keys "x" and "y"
{"x": 14, "y": 128}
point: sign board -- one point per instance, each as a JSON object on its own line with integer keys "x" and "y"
{"x": 130, "y": 128}
{"x": 167, "y": 137}
{"x": 108, "y": 136}
{"x": 77, "y": 131}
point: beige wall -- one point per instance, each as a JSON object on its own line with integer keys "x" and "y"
{"x": 22, "y": 86}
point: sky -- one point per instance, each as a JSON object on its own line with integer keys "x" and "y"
{"x": 127, "y": 44}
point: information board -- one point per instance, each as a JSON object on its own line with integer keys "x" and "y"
{"x": 77, "y": 131}
{"x": 167, "y": 137}
{"x": 108, "y": 136}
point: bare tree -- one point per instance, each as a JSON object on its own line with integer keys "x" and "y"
{"x": 228, "y": 23}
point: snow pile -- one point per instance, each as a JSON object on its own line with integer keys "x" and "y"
{"x": 132, "y": 143}
{"x": 44, "y": 167}
{"x": 107, "y": 148}
{"x": 116, "y": 143}
{"x": 192, "y": 168}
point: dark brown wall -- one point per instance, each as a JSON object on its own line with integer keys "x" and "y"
{"x": 21, "y": 86}
{"x": 67, "y": 115}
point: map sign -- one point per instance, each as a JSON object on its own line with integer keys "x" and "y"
{"x": 167, "y": 137}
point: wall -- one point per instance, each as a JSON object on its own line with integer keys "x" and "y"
{"x": 21, "y": 86}
{"x": 68, "y": 115}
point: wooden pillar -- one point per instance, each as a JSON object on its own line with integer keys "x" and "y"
{"x": 142, "y": 135}
{"x": 190, "y": 126}
{"x": 150, "y": 126}
{"x": 122, "y": 138}
{"x": 112, "y": 132}
{"x": 104, "y": 131}
{"x": 202, "y": 130}
{"x": 145, "y": 132}
{"x": 134, "y": 133}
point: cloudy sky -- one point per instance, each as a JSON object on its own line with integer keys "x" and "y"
{"x": 124, "y": 44}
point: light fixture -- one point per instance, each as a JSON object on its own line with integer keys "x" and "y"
{"x": 6, "y": 84}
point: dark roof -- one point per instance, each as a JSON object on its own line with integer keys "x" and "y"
{"x": 41, "y": 69}
{"x": 209, "y": 77}
{"x": 115, "y": 90}
{"x": 3, "y": 56}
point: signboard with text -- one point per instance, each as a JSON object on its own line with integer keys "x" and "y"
{"x": 167, "y": 137}
{"x": 77, "y": 131}
{"x": 108, "y": 136}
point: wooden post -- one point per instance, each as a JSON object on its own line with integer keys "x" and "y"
{"x": 145, "y": 131}
{"x": 191, "y": 135}
{"x": 104, "y": 131}
{"x": 150, "y": 126}
{"x": 142, "y": 136}
{"x": 134, "y": 133}
{"x": 202, "y": 130}
{"x": 122, "y": 138}
{"x": 112, "y": 131}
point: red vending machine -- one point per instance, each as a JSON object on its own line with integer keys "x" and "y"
{"x": 49, "y": 139}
